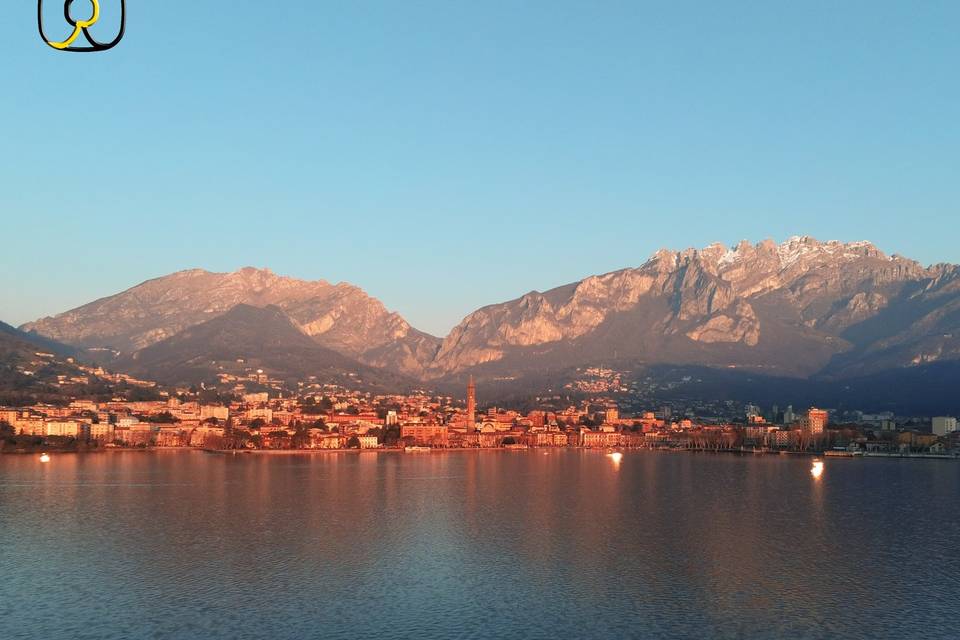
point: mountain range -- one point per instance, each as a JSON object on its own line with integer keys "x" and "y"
{"x": 800, "y": 310}
{"x": 340, "y": 317}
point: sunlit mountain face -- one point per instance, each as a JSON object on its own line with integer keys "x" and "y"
{"x": 797, "y": 309}
{"x": 340, "y": 316}
{"x": 801, "y": 309}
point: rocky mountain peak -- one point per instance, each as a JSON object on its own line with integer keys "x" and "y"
{"x": 717, "y": 297}
{"x": 341, "y": 317}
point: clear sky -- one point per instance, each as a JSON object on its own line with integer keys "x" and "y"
{"x": 448, "y": 154}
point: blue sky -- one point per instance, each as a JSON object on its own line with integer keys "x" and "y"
{"x": 448, "y": 154}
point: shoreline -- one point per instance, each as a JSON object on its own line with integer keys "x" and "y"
{"x": 604, "y": 450}
{"x": 544, "y": 450}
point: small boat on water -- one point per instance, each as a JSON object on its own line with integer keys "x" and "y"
{"x": 416, "y": 449}
{"x": 44, "y": 457}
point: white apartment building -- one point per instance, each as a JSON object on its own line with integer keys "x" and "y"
{"x": 942, "y": 425}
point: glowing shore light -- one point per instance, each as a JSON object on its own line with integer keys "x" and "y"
{"x": 817, "y": 469}
{"x": 44, "y": 458}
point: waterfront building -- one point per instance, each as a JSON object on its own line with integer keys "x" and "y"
{"x": 171, "y": 435}
{"x": 546, "y": 439}
{"x": 638, "y": 439}
{"x": 782, "y": 438}
{"x": 489, "y": 440}
{"x": 368, "y": 442}
{"x": 590, "y": 438}
{"x": 816, "y": 420}
{"x": 912, "y": 441}
{"x": 656, "y": 438}
{"x": 210, "y": 437}
{"x": 30, "y": 426}
{"x": 322, "y": 440}
{"x": 425, "y": 435}
{"x": 140, "y": 434}
{"x": 953, "y": 440}
{"x": 65, "y": 428}
{"x": 101, "y": 432}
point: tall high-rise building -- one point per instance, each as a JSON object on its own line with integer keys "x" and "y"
{"x": 816, "y": 420}
{"x": 789, "y": 416}
{"x": 942, "y": 425}
{"x": 471, "y": 405}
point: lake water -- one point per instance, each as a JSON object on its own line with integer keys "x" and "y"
{"x": 564, "y": 544}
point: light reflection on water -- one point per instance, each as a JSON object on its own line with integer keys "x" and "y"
{"x": 817, "y": 469}
{"x": 476, "y": 545}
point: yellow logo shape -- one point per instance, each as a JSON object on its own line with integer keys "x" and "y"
{"x": 80, "y": 26}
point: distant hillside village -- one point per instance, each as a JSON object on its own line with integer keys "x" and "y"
{"x": 329, "y": 417}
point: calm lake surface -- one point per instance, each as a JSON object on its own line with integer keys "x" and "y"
{"x": 565, "y": 544}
